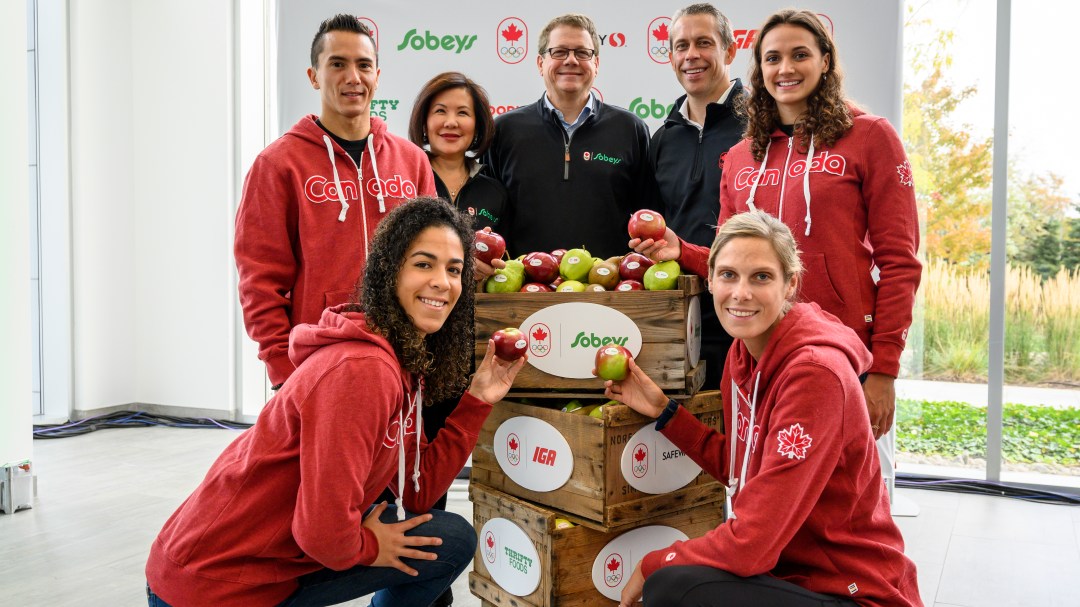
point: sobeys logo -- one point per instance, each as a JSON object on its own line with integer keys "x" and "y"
{"x": 592, "y": 340}
{"x": 602, "y": 157}
{"x": 432, "y": 42}
{"x": 650, "y": 109}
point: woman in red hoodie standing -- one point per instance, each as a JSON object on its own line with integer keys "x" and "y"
{"x": 839, "y": 178}
{"x": 285, "y": 515}
{"x": 808, "y": 517}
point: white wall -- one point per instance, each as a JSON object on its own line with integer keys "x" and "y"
{"x": 152, "y": 203}
{"x": 15, "y": 368}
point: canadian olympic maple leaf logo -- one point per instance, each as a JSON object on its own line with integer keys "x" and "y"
{"x": 658, "y": 34}
{"x": 613, "y": 571}
{"x": 640, "y": 465}
{"x": 904, "y": 171}
{"x": 540, "y": 344}
{"x": 793, "y": 442}
{"x": 512, "y": 41}
{"x": 513, "y": 454}
{"x": 489, "y": 547}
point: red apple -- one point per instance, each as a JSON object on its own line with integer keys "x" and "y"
{"x": 510, "y": 344}
{"x": 536, "y": 287}
{"x": 633, "y": 266}
{"x": 541, "y": 267}
{"x": 630, "y": 285}
{"x": 558, "y": 254}
{"x": 488, "y": 246}
{"x": 646, "y": 224}
{"x": 613, "y": 362}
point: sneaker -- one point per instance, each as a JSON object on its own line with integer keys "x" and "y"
{"x": 444, "y": 600}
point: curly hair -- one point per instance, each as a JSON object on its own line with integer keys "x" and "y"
{"x": 442, "y": 359}
{"x": 828, "y": 115}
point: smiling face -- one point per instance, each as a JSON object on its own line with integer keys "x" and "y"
{"x": 570, "y": 77}
{"x": 429, "y": 281}
{"x": 749, "y": 290}
{"x": 346, "y": 77}
{"x": 791, "y": 65}
{"x": 451, "y": 123}
{"x": 699, "y": 58}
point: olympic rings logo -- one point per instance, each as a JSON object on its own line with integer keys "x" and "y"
{"x": 659, "y": 50}
{"x": 512, "y": 51}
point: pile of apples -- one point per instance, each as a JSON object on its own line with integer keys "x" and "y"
{"x": 576, "y": 270}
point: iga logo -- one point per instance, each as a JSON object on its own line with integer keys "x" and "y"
{"x": 640, "y": 466}
{"x": 657, "y": 33}
{"x": 650, "y": 109}
{"x": 616, "y": 39}
{"x": 540, "y": 339}
{"x": 744, "y": 39}
{"x": 432, "y": 42}
{"x": 613, "y": 569}
{"x": 368, "y": 23}
{"x": 512, "y": 40}
{"x": 513, "y": 449}
{"x": 490, "y": 547}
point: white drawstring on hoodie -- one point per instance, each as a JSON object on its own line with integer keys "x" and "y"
{"x": 360, "y": 174}
{"x": 417, "y": 404}
{"x": 735, "y": 482}
{"x": 806, "y": 182}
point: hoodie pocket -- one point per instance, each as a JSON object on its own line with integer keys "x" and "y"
{"x": 818, "y": 286}
{"x": 333, "y": 298}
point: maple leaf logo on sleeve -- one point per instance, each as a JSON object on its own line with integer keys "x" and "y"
{"x": 904, "y": 171}
{"x": 793, "y": 442}
{"x": 661, "y": 33}
{"x": 511, "y": 34}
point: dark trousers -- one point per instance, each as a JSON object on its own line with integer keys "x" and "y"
{"x": 701, "y": 586}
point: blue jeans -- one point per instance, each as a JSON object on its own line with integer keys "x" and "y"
{"x": 392, "y": 588}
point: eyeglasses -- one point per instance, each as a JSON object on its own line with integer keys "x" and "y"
{"x": 581, "y": 54}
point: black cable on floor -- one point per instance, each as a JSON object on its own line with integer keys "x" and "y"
{"x": 978, "y": 487}
{"x": 130, "y": 419}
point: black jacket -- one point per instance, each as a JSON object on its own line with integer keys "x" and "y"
{"x": 688, "y": 163}
{"x": 570, "y": 192}
{"x": 482, "y": 197}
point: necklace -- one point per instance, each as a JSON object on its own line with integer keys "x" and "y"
{"x": 454, "y": 191}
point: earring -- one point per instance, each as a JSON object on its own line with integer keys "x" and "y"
{"x": 425, "y": 136}
{"x": 824, "y": 77}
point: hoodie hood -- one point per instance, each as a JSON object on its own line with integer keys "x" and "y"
{"x": 338, "y": 325}
{"x": 805, "y": 325}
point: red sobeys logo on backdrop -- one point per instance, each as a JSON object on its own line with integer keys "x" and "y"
{"x": 657, "y": 33}
{"x": 512, "y": 40}
{"x": 613, "y": 569}
{"x": 368, "y": 23}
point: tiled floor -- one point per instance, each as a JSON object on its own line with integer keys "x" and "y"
{"x": 102, "y": 498}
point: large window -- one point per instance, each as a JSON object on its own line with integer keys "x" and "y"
{"x": 957, "y": 364}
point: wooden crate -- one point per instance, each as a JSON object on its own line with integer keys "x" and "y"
{"x": 566, "y": 555}
{"x": 597, "y": 492}
{"x": 661, "y": 316}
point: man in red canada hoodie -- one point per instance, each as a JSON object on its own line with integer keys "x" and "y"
{"x": 313, "y": 198}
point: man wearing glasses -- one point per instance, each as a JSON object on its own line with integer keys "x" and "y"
{"x": 575, "y": 168}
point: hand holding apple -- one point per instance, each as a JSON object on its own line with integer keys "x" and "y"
{"x": 637, "y": 391}
{"x": 510, "y": 344}
{"x": 612, "y": 362}
{"x": 665, "y": 249}
{"x": 494, "y": 376}
{"x": 488, "y": 245}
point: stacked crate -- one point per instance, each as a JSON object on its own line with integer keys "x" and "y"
{"x": 624, "y": 488}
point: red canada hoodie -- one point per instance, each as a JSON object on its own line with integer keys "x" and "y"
{"x": 853, "y": 214}
{"x": 288, "y": 496}
{"x": 810, "y": 505}
{"x": 304, "y": 223}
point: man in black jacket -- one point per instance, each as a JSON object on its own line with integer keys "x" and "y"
{"x": 574, "y": 167}
{"x": 687, "y": 152}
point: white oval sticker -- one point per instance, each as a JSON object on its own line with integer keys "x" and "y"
{"x": 647, "y": 216}
{"x": 482, "y": 246}
{"x": 535, "y": 262}
{"x": 626, "y": 287}
{"x": 532, "y": 288}
{"x": 533, "y": 453}
{"x": 633, "y": 265}
{"x": 615, "y": 563}
{"x": 603, "y": 271}
{"x": 661, "y": 274}
{"x": 573, "y": 259}
{"x": 564, "y": 338}
{"x": 510, "y": 557}
{"x": 653, "y": 464}
{"x": 693, "y": 332}
{"x": 502, "y": 277}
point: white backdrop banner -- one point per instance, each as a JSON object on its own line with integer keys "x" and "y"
{"x": 495, "y": 44}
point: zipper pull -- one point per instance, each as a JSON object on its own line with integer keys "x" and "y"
{"x": 566, "y": 163}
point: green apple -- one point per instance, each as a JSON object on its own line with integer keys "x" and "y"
{"x": 570, "y": 286}
{"x": 597, "y": 412}
{"x": 505, "y": 280}
{"x": 572, "y": 406}
{"x": 575, "y": 265}
{"x": 663, "y": 276}
{"x": 586, "y": 410}
{"x": 561, "y": 523}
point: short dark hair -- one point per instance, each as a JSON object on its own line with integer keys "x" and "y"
{"x": 577, "y": 20}
{"x": 485, "y": 125}
{"x": 340, "y": 23}
{"x": 442, "y": 358}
